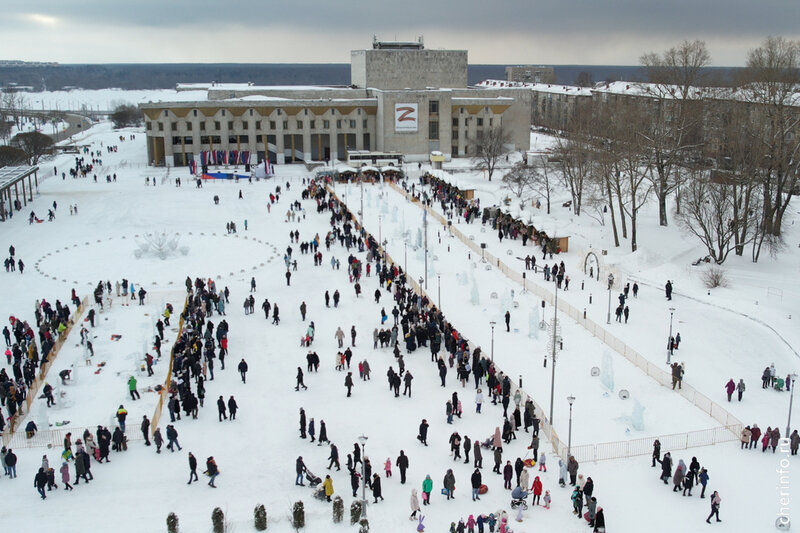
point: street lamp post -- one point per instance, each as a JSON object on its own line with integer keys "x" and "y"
{"x": 669, "y": 339}
{"x": 791, "y": 401}
{"x": 405, "y": 256}
{"x": 363, "y": 440}
{"x": 439, "y": 279}
{"x": 492, "y": 323}
{"x": 553, "y": 370}
{"x": 610, "y": 283}
{"x": 380, "y": 232}
{"x": 571, "y": 400}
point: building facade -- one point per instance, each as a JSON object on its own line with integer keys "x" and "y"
{"x": 403, "y": 99}
{"x": 530, "y": 74}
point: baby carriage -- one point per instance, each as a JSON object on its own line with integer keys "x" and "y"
{"x": 518, "y": 498}
{"x": 313, "y": 480}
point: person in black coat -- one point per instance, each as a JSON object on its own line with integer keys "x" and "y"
{"x": 40, "y": 482}
{"x": 232, "y": 407}
{"x": 376, "y": 487}
{"x": 656, "y": 451}
{"x": 192, "y": 468}
{"x": 476, "y": 480}
{"x": 599, "y": 521}
{"x": 666, "y": 467}
{"x": 423, "y": 432}
{"x": 402, "y": 464}
{"x": 334, "y": 458}
{"x": 302, "y": 423}
{"x": 355, "y": 479}
{"x": 300, "y": 468}
{"x": 221, "y": 408}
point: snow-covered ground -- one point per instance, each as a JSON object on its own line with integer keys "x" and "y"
{"x": 724, "y": 335}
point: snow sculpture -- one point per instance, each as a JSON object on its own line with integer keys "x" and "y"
{"x": 637, "y": 417}
{"x": 533, "y": 322}
{"x": 607, "y": 372}
{"x": 475, "y": 296}
{"x": 159, "y": 245}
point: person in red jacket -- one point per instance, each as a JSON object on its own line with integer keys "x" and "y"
{"x": 730, "y": 387}
{"x": 537, "y": 490}
{"x": 755, "y": 434}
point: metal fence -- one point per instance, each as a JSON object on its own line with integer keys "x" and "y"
{"x": 54, "y": 438}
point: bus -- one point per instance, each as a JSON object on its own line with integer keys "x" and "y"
{"x": 359, "y": 158}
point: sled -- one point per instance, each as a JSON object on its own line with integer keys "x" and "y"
{"x": 586, "y": 516}
{"x": 529, "y": 463}
{"x": 62, "y": 423}
{"x": 116, "y": 337}
{"x": 483, "y": 490}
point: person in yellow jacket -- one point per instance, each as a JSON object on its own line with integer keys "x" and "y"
{"x": 328, "y": 486}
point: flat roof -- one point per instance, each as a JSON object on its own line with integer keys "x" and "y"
{"x": 11, "y": 175}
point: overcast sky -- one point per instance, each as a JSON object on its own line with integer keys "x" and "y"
{"x": 600, "y": 32}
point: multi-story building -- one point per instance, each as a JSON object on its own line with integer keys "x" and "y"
{"x": 531, "y": 74}
{"x": 403, "y": 98}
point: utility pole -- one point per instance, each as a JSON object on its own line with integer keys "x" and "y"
{"x": 425, "y": 225}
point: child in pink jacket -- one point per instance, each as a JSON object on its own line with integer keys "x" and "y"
{"x": 387, "y": 466}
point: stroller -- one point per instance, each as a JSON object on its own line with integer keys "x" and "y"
{"x": 519, "y": 498}
{"x": 313, "y": 480}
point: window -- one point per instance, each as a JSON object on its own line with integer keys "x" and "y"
{"x": 480, "y": 122}
{"x": 433, "y": 106}
{"x": 272, "y": 124}
{"x": 204, "y": 139}
{"x": 365, "y": 124}
{"x": 455, "y": 122}
{"x": 312, "y": 124}
{"x": 454, "y": 150}
{"x": 258, "y": 124}
{"x": 338, "y": 124}
{"x": 188, "y": 140}
{"x": 299, "y": 124}
{"x": 251, "y": 112}
{"x": 216, "y": 125}
{"x": 176, "y": 140}
{"x": 223, "y": 112}
{"x": 174, "y": 126}
{"x": 232, "y": 139}
{"x": 326, "y": 124}
{"x": 194, "y": 112}
{"x": 259, "y": 138}
{"x": 305, "y": 111}
{"x": 455, "y": 134}
{"x": 286, "y": 124}
{"x": 230, "y": 124}
{"x": 245, "y": 125}
{"x": 490, "y": 122}
{"x": 188, "y": 126}
{"x": 433, "y": 129}
{"x": 353, "y": 124}
{"x": 149, "y": 126}
{"x": 202, "y": 125}
{"x": 166, "y": 113}
{"x": 160, "y": 126}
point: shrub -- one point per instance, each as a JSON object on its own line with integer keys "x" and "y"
{"x": 172, "y": 523}
{"x": 355, "y": 512}
{"x": 715, "y": 276}
{"x": 260, "y": 517}
{"x": 218, "y": 520}
{"x": 338, "y": 509}
{"x": 298, "y": 515}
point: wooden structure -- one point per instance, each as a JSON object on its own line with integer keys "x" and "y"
{"x": 12, "y": 179}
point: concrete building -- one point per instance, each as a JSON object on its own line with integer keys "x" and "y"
{"x": 403, "y": 99}
{"x": 530, "y": 74}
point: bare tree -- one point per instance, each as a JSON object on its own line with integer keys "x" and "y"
{"x": 708, "y": 214}
{"x": 34, "y": 144}
{"x": 490, "y": 146}
{"x": 518, "y": 180}
{"x": 770, "y": 84}
{"x": 675, "y": 128}
{"x": 633, "y": 174}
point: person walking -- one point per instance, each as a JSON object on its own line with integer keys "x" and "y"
{"x": 232, "y": 408}
{"x": 427, "y": 488}
{"x": 145, "y": 430}
{"x": 172, "y": 438}
{"x": 348, "y": 383}
{"x": 212, "y": 470}
{"x": 449, "y": 483}
{"x": 192, "y": 468}
{"x": 327, "y": 486}
{"x": 730, "y": 386}
{"x": 242, "y": 368}
{"x": 300, "y": 380}
{"x": 414, "y": 504}
{"x": 740, "y": 389}
{"x": 715, "y": 503}
{"x": 476, "y": 480}
{"x": 221, "y": 408}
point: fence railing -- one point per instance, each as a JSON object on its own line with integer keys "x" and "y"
{"x": 730, "y": 423}
{"x": 54, "y": 438}
{"x": 33, "y": 391}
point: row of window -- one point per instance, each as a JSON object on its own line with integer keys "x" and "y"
{"x": 250, "y": 111}
{"x": 312, "y": 124}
